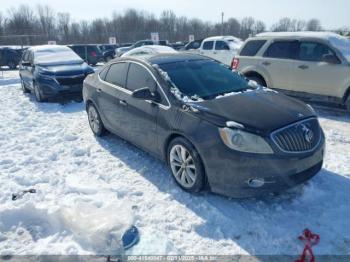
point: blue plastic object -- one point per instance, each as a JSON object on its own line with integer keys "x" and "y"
{"x": 130, "y": 237}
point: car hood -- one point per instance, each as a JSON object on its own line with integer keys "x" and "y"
{"x": 123, "y": 49}
{"x": 260, "y": 111}
{"x": 65, "y": 69}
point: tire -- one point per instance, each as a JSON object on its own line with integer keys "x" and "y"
{"x": 37, "y": 93}
{"x": 186, "y": 165}
{"x": 12, "y": 65}
{"x": 24, "y": 89}
{"x": 257, "y": 79}
{"x": 95, "y": 121}
{"x": 347, "y": 104}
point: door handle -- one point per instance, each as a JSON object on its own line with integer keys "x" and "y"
{"x": 98, "y": 90}
{"x": 265, "y": 63}
{"x": 303, "y": 67}
{"x": 215, "y": 52}
{"x": 123, "y": 102}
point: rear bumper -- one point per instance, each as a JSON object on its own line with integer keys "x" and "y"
{"x": 228, "y": 173}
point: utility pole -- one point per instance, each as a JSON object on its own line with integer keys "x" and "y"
{"x": 222, "y": 23}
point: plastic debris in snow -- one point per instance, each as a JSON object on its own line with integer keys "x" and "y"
{"x": 309, "y": 240}
{"x": 21, "y": 194}
{"x": 100, "y": 228}
{"x": 130, "y": 237}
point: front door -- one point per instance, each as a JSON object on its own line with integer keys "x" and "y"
{"x": 223, "y": 53}
{"x": 108, "y": 93}
{"x": 312, "y": 75}
{"x": 140, "y": 117}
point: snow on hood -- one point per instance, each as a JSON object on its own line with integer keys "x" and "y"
{"x": 56, "y": 55}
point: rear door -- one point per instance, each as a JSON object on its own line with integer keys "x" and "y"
{"x": 112, "y": 85}
{"x": 222, "y": 52}
{"x": 207, "y": 49}
{"x": 140, "y": 117}
{"x": 312, "y": 75}
{"x": 278, "y": 60}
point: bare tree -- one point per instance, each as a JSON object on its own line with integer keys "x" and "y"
{"x": 247, "y": 27}
{"x": 313, "y": 25}
{"x": 63, "y": 26}
{"x": 47, "y": 20}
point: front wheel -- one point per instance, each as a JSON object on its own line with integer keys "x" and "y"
{"x": 347, "y": 103}
{"x": 24, "y": 89}
{"x": 12, "y": 65}
{"x": 37, "y": 93}
{"x": 257, "y": 79}
{"x": 95, "y": 121}
{"x": 186, "y": 165}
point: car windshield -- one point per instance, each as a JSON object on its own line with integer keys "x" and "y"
{"x": 343, "y": 45}
{"x": 205, "y": 79}
{"x": 59, "y": 55}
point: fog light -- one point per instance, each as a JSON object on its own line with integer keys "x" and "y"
{"x": 256, "y": 182}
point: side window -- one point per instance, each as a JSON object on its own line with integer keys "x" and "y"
{"x": 31, "y": 57}
{"x": 311, "y": 51}
{"x": 139, "y": 77}
{"x": 25, "y": 56}
{"x": 103, "y": 73}
{"x": 221, "y": 45}
{"x": 282, "y": 50}
{"x": 117, "y": 74}
{"x": 252, "y": 47}
{"x": 208, "y": 45}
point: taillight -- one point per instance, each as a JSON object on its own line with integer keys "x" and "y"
{"x": 93, "y": 53}
{"x": 235, "y": 63}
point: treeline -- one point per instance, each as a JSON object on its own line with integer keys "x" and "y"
{"x": 29, "y": 26}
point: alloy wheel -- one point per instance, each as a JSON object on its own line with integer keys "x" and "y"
{"x": 183, "y": 166}
{"x": 94, "y": 119}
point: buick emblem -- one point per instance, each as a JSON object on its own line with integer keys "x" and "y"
{"x": 308, "y": 134}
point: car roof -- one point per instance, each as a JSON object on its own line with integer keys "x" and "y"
{"x": 213, "y": 38}
{"x": 164, "y": 58}
{"x": 172, "y": 58}
{"x": 306, "y": 34}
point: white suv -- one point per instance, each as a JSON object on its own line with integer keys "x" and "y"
{"x": 300, "y": 63}
{"x": 221, "y": 48}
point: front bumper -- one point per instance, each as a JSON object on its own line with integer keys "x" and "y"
{"x": 228, "y": 172}
{"x": 51, "y": 88}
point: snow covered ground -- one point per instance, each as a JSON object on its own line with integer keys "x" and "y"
{"x": 89, "y": 190}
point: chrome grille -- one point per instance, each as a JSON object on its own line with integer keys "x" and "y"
{"x": 302, "y": 136}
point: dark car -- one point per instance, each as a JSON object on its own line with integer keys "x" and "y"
{"x": 178, "y": 45}
{"x": 9, "y": 57}
{"x": 52, "y": 72}
{"x": 108, "y": 51}
{"x": 211, "y": 125}
{"x": 194, "y": 45}
{"x": 91, "y": 54}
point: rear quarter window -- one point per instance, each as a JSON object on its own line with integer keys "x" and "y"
{"x": 252, "y": 47}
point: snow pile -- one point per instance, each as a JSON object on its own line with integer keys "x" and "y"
{"x": 78, "y": 178}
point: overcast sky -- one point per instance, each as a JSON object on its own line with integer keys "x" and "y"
{"x": 333, "y": 14}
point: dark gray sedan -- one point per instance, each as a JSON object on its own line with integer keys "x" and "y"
{"x": 212, "y": 126}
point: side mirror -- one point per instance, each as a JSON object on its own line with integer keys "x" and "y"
{"x": 25, "y": 63}
{"x": 145, "y": 94}
{"x": 330, "y": 59}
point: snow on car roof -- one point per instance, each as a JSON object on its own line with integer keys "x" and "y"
{"x": 323, "y": 35}
{"x": 228, "y": 37}
{"x": 149, "y": 50}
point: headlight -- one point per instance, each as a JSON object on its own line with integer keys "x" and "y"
{"x": 244, "y": 142}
